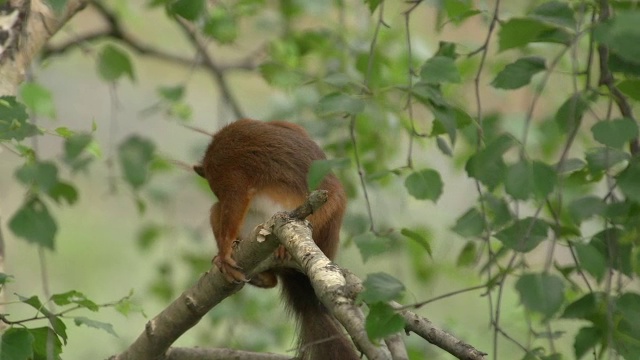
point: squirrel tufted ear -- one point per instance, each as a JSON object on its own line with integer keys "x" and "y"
{"x": 199, "y": 169}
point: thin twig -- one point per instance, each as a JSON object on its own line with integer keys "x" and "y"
{"x": 440, "y": 297}
{"x": 352, "y": 121}
{"x": 410, "y": 74}
{"x": 479, "y": 144}
{"x": 607, "y": 79}
{"x": 214, "y": 69}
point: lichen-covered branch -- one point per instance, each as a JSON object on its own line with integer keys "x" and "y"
{"x": 25, "y": 27}
{"x": 442, "y": 339}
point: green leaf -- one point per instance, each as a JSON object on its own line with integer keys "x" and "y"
{"x": 64, "y": 132}
{"x": 429, "y": 94}
{"x": 338, "y": 79}
{"x": 440, "y": 69}
{"x": 34, "y": 302}
{"x": 34, "y": 223}
{"x": 46, "y": 343}
{"x": 221, "y": 26}
{"x": 279, "y": 75}
{"x": 114, "y": 63}
{"x": 556, "y": 13}
{"x": 418, "y": 237}
{"x": 135, "y": 155}
{"x": 126, "y": 306}
{"x": 58, "y": 326}
{"x": 64, "y": 191}
{"x": 424, "y": 185}
{"x": 43, "y": 175}
{"x": 621, "y": 34}
{"x": 443, "y": 146}
{"x": 373, "y": 4}
{"x": 591, "y": 260}
{"x": 498, "y": 210}
{"x": 74, "y": 147}
{"x": 524, "y": 235}
{"x": 525, "y": 178}
{"x": 382, "y": 321}
{"x": 38, "y": 99}
{"x": 628, "y": 306}
{"x": 81, "y": 320}
{"x": 381, "y": 287}
{"x": 584, "y": 308}
{"x": 518, "y": 32}
{"x": 631, "y": 88}
{"x": 188, "y": 9}
{"x": 74, "y": 297}
{"x": 603, "y": 158}
{"x": 487, "y": 165}
{"x": 570, "y": 113}
{"x": 468, "y": 255}
{"x": 621, "y": 253}
{"x": 458, "y": 10}
{"x": 615, "y": 133}
{"x": 171, "y": 93}
{"x": 544, "y": 179}
{"x": 58, "y": 6}
{"x": 586, "y": 339}
{"x": 628, "y": 181}
{"x": 320, "y": 168}
{"x": 618, "y": 64}
{"x": 519, "y": 73}
{"x": 4, "y": 278}
{"x": 586, "y": 207}
{"x": 371, "y": 245}
{"x": 541, "y": 292}
{"x": 470, "y": 224}
{"x": 571, "y": 165}
{"x": 13, "y": 120}
{"x": 339, "y": 103}
{"x": 448, "y": 119}
{"x": 148, "y": 235}
{"x": 75, "y": 144}
{"x": 16, "y": 344}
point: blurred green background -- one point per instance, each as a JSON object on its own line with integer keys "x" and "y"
{"x": 99, "y": 247}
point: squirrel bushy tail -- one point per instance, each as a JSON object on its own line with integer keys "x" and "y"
{"x": 320, "y": 335}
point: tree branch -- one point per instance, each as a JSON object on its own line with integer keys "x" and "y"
{"x": 179, "y": 353}
{"x": 115, "y": 30}
{"x": 26, "y": 26}
{"x": 330, "y": 285}
{"x": 254, "y": 256}
{"x": 213, "y": 68}
{"x": 335, "y": 287}
{"x": 442, "y": 339}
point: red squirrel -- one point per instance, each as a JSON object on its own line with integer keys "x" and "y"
{"x": 256, "y": 169}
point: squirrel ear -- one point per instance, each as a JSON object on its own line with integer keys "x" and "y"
{"x": 199, "y": 169}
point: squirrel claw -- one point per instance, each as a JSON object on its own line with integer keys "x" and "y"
{"x": 282, "y": 254}
{"x": 230, "y": 269}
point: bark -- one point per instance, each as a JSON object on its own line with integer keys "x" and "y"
{"x": 25, "y": 28}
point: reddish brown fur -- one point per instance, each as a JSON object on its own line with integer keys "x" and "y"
{"x": 249, "y": 158}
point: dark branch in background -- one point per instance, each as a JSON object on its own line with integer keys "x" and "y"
{"x": 216, "y": 72}
{"x": 442, "y": 339}
{"x": 607, "y": 79}
{"x": 353, "y": 119}
{"x": 116, "y": 31}
{"x": 179, "y": 353}
{"x": 483, "y": 50}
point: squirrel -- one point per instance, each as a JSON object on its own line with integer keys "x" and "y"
{"x": 256, "y": 169}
